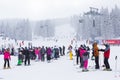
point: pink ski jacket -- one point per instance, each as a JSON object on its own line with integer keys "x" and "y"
{"x": 7, "y": 55}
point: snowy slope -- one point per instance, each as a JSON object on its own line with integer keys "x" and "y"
{"x": 61, "y": 69}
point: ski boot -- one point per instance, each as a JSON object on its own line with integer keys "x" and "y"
{"x": 107, "y": 69}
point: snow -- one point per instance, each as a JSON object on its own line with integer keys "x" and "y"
{"x": 61, "y": 69}
{"x": 65, "y": 30}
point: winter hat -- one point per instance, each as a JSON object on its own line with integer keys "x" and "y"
{"x": 81, "y": 46}
{"x": 106, "y": 45}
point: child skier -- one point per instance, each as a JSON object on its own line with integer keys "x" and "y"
{"x": 20, "y": 58}
{"x": 7, "y": 58}
{"x": 70, "y": 52}
{"x": 85, "y": 61}
{"x": 81, "y": 55}
{"x": 85, "y": 56}
{"x": 71, "y": 55}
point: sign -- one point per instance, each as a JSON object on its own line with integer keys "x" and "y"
{"x": 112, "y": 42}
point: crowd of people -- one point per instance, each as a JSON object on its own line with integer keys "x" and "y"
{"x": 83, "y": 54}
{"x": 25, "y": 55}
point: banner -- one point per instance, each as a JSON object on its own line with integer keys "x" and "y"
{"x": 112, "y": 42}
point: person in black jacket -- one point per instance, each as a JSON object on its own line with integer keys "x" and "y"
{"x": 77, "y": 56}
{"x": 12, "y": 51}
{"x": 27, "y": 56}
{"x": 60, "y": 49}
{"x": 56, "y": 49}
{"x": 63, "y": 50}
{"x": 20, "y": 58}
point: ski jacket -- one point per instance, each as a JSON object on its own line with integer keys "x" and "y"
{"x": 95, "y": 50}
{"x": 49, "y": 51}
{"x": 42, "y": 51}
{"x": 36, "y": 51}
{"x": 6, "y": 55}
{"x": 107, "y": 51}
{"x": 56, "y": 50}
{"x": 82, "y": 51}
{"x": 26, "y": 53}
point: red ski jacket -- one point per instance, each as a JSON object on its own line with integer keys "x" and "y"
{"x": 107, "y": 52}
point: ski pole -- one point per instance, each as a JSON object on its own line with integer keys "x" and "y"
{"x": 115, "y": 66}
{"x": 116, "y": 63}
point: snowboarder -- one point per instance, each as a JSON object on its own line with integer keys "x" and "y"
{"x": 20, "y": 58}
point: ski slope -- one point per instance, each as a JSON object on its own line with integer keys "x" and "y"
{"x": 61, "y": 69}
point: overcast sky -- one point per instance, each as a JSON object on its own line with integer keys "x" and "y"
{"x": 48, "y": 9}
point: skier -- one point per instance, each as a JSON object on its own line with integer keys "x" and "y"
{"x": 53, "y": 53}
{"x": 60, "y": 51}
{"x": 70, "y": 52}
{"x": 96, "y": 54}
{"x": 3, "y": 49}
{"x": 77, "y": 55}
{"x": 106, "y": 57}
{"x": 92, "y": 57}
{"x": 7, "y": 58}
{"x": 81, "y": 57}
{"x": 42, "y": 51}
{"x": 32, "y": 57}
{"x": 71, "y": 55}
{"x": 63, "y": 50}
{"x": 27, "y": 56}
{"x": 37, "y": 54}
{"x": 33, "y": 54}
{"x": 49, "y": 52}
{"x": 85, "y": 57}
{"x": 12, "y": 51}
{"x": 0, "y": 51}
{"x": 56, "y": 50}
